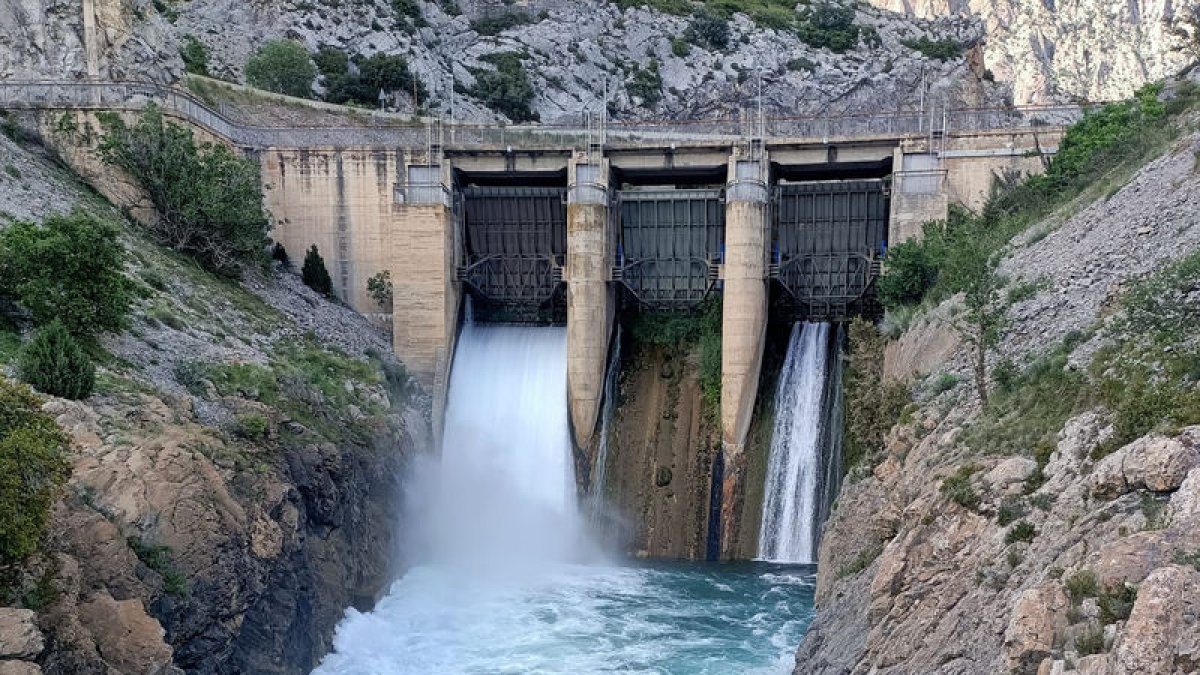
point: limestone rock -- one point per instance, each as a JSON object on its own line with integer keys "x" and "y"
{"x": 1029, "y": 638}
{"x": 1009, "y": 475}
{"x": 1163, "y": 629}
{"x": 1152, "y": 462}
{"x": 19, "y": 636}
{"x": 19, "y": 668}
{"x": 128, "y": 638}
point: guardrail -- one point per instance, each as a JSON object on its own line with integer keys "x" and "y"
{"x": 21, "y": 95}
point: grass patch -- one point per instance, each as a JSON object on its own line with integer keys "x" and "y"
{"x": 1187, "y": 558}
{"x": 1090, "y": 641}
{"x": 1011, "y": 509}
{"x": 958, "y": 488}
{"x": 1023, "y": 531}
{"x": 160, "y": 559}
{"x": 860, "y": 562}
{"x": 1081, "y": 585}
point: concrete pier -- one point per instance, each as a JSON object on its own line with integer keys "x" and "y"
{"x": 744, "y": 325}
{"x": 590, "y": 300}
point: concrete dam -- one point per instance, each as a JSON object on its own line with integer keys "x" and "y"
{"x": 786, "y": 219}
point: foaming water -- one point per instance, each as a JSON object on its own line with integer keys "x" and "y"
{"x": 794, "y": 470}
{"x": 666, "y": 619}
{"x": 511, "y": 584}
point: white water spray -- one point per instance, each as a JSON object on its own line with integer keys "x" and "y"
{"x": 792, "y": 497}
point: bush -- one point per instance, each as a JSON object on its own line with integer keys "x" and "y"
{"x": 409, "y": 10}
{"x": 1081, "y": 585}
{"x": 251, "y": 426}
{"x": 282, "y": 66}
{"x": 379, "y": 287}
{"x": 380, "y": 72}
{"x": 646, "y": 84}
{"x": 1116, "y": 603}
{"x": 69, "y": 269}
{"x": 209, "y": 199}
{"x": 507, "y": 89}
{"x": 53, "y": 363}
{"x": 1023, "y": 531}
{"x": 680, "y": 47}
{"x": 332, "y": 62}
{"x": 160, "y": 559}
{"x": 710, "y": 32}
{"x": 280, "y": 255}
{"x": 958, "y": 488}
{"x": 1011, "y": 508}
{"x": 829, "y": 26}
{"x": 195, "y": 55}
{"x": 1090, "y": 641}
{"x": 872, "y": 406}
{"x": 314, "y": 274}
{"x": 32, "y": 469}
{"x": 495, "y": 25}
{"x": 909, "y": 274}
{"x": 942, "y": 50}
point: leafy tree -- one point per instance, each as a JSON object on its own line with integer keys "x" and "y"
{"x": 53, "y": 363}
{"x": 314, "y": 274}
{"x": 971, "y": 265}
{"x": 911, "y": 271}
{"x": 506, "y": 89}
{"x": 646, "y": 84}
{"x": 70, "y": 269}
{"x": 209, "y": 200}
{"x": 379, "y": 72}
{"x": 32, "y": 469}
{"x": 282, "y": 66}
{"x": 280, "y": 255}
{"x": 379, "y": 287}
{"x": 195, "y": 55}
{"x": 332, "y": 61}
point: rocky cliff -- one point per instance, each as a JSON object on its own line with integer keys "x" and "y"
{"x": 1057, "y": 51}
{"x": 236, "y": 476}
{"x": 1048, "y": 533}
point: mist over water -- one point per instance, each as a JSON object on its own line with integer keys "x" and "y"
{"x": 791, "y": 499}
{"x": 510, "y": 581}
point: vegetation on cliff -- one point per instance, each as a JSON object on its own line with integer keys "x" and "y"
{"x": 679, "y": 333}
{"x": 208, "y": 198}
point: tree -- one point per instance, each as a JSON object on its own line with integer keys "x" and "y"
{"x": 830, "y": 26}
{"x": 282, "y": 66}
{"x": 32, "y": 470}
{"x": 209, "y": 199}
{"x": 379, "y": 72}
{"x": 971, "y": 265}
{"x": 314, "y": 274}
{"x": 379, "y": 287}
{"x": 506, "y": 89}
{"x": 69, "y": 269}
{"x": 708, "y": 31}
{"x": 195, "y": 55}
{"x": 53, "y": 363}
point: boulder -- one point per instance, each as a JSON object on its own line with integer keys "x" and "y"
{"x": 19, "y": 668}
{"x": 1009, "y": 475}
{"x": 19, "y": 635}
{"x": 1039, "y": 614}
{"x": 1163, "y": 629}
{"x": 128, "y": 638}
{"x": 1152, "y": 462}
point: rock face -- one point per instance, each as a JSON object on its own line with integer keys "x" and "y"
{"x": 216, "y": 524}
{"x": 1067, "y": 564}
{"x": 1053, "y": 51}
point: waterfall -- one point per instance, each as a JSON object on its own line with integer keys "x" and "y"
{"x": 507, "y": 487}
{"x": 796, "y": 470}
{"x": 600, "y": 468}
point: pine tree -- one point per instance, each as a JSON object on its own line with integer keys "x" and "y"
{"x": 54, "y": 363}
{"x": 314, "y": 274}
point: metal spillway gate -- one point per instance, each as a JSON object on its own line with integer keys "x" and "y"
{"x": 828, "y": 239}
{"x": 669, "y": 245}
{"x": 515, "y": 243}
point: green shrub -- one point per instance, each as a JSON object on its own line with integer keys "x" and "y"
{"x": 1181, "y": 557}
{"x": 943, "y": 383}
{"x": 507, "y": 89}
{"x": 680, "y": 47}
{"x": 829, "y": 26}
{"x": 379, "y": 287}
{"x": 1090, "y": 641}
{"x": 70, "y": 269}
{"x": 860, "y": 562}
{"x": 209, "y": 199}
{"x": 800, "y": 63}
{"x": 1081, "y": 585}
{"x": 495, "y": 25}
{"x": 1116, "y": 603}
{"x": 942, "y": 50}
{"x": 380, "y": 72}
{"x": 32, "y": 470}
{"x": 410, "y": 10}
{"x": 646, "y": 84}
{"x": 708, "y": 31}
{"x": 251, "y": 426}
{"x": 681, "y": 332}
{"x": 1024, "y": 531}
{"x": 160, "y": 559}
{"x": 195, "y": 55}
{"x": 872, "y": 407}
{"x": 282, "y": 66}
{"x": 314, "y": 274}
{"x": 331, "y": 62}
{"x": 958, "y": 488}
{"x": 53, "y": 363}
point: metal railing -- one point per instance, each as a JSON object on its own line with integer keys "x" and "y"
{"x": 24, "y": 95}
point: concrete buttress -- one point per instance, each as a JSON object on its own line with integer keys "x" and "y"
{"x": 744, "y": 323}
{"x": 589, "y": 295}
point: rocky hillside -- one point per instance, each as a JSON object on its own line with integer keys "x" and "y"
{"x": 1057, "y": 51}
{"x": 235, "y": 476}
{"x": 1057, "y": 528}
